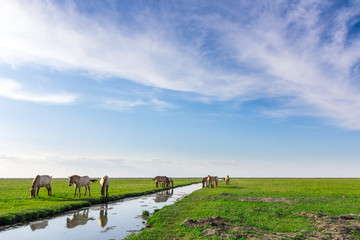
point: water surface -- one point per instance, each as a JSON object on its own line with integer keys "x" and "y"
{"x": 114, "y": 220}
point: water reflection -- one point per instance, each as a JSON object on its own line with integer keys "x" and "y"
{"x": 39, "y": 225}
{"x": 79, "y": 218}
{"x": 115, "y": 220}
{"x": 103, "y": 219}
{"x": 163, "y": 196}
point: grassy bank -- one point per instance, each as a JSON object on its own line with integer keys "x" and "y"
{"x": 264, "y": 209}
{"x": 16, "y": 206}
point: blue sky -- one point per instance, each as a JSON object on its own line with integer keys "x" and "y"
{"x": 190, "y": 88}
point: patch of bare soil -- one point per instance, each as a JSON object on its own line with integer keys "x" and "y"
{"x": 259, "y": 199}
{"x": 218, "y": 226}
{"x": 330, "y": 227}
{"x": 336, "y": 227}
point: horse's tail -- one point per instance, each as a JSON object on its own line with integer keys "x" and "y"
{"x": 93, "y": 180}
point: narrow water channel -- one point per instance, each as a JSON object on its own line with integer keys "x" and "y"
{"x": 114, "y": 220}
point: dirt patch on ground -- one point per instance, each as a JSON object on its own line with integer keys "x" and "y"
{"x": 330, "y": 227}
{"x": 259, "y": 199}
{"x": 336, "y": 227}
{"x": 219, "y": 226}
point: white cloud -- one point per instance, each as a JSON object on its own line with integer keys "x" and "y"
{"x": 14, "y": 90}
{"x": 125, "y": 105}
{"x": 275, "y": 52}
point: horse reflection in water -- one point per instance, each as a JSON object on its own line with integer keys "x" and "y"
{"x": 79, "y": 218}
{"x": 39, "y": 225}
{"x": 103, "y": 218}
{"x": 163, "y": 196}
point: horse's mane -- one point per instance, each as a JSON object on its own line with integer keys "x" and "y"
{"x": 36, "y": 179}
{"x": 75, "y": 176}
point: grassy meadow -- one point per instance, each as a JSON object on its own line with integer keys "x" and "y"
{"x": 263, "y": 209}
{"x": 16, "y": 206}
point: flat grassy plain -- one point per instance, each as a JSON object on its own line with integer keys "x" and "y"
{"x": 16, "y": 206}
{"x": 263, "y": 209}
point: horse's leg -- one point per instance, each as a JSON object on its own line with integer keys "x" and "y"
{"x": 107, "y": 191}
{"x": 75, "y": 190}
{"x": 38, "y": 191}
{"x": 50, "y": 190}
{"x": 47, "y": 188}
{"x": 89, "y": 190}
{"x": 79, "y": 192}
{"x": 85, "y": 190}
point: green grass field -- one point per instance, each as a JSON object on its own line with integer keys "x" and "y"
{"x": 16, "y": 206}
{"x": 263, "y": 209}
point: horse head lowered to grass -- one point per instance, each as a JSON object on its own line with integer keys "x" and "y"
{"x": 80, "y": 182}
{"x": 161, "y": 179}
{"x": 38, "y": 182}
{"x": 104, "y": 182}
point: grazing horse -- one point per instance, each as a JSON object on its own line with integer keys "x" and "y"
{"x": 212, "y": 180}
{"x": 38, "y": 182}
{"x": 204, "y": 182}
{"x": 80, "y": 182}
{"x": 227, "y": 179}
{"x": 104, "y": 182}
{"x": 161, "y": 179}
{"x": 171, "y": 181}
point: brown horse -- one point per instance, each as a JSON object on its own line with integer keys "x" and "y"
{"x": 38, "y": 182}
{"x": 80, "y": 182}
{"x": 161, "y": 179}
{"x": 212, "y": 180}
{"x": 170, "y": 182}
{"x": 227, "y": 179}
{"x": 104, "y": 182}
{"x": 204, "y": 182}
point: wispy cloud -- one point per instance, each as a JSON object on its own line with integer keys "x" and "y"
{"x": 125, "y": 105}
{"x": 14, "y": 90}
{"x": 304, "y": 50}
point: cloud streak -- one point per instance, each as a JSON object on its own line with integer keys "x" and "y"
{"x": 305, "y": 51}
{"x": 14, "y": 90}
{"x": 125, "y": 105}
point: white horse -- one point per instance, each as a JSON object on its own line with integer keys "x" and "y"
{"x": 104, "y": 182}
{"x": 80, "y": 182}
{"x": 38, "y": 182}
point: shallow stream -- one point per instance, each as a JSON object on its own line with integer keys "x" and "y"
{"x": 115, "y": 220}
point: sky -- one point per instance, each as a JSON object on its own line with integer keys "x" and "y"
{"x": 180, "y": 88}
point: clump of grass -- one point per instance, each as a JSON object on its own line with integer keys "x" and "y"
{"x": 145, "y": 213}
